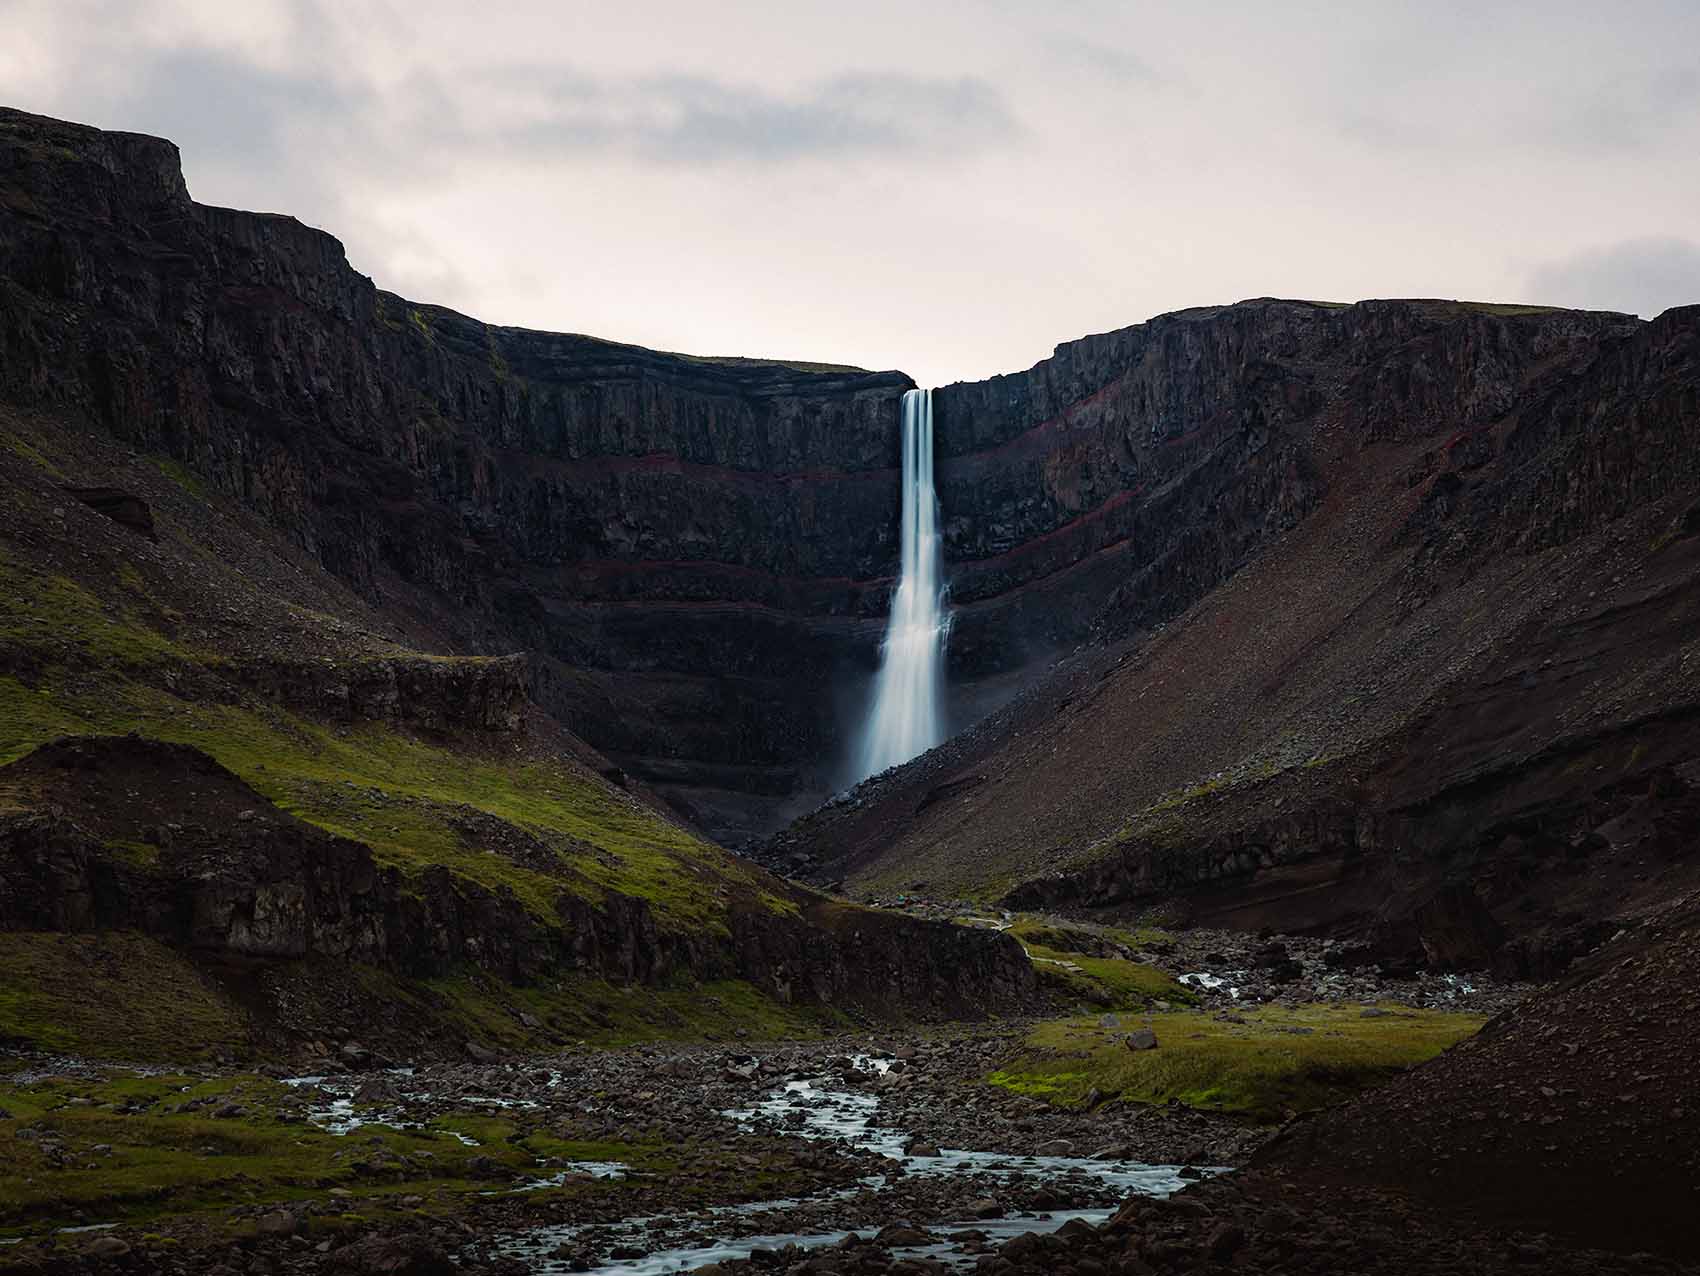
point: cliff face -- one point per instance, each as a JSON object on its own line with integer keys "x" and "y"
{"x": 1113, "y": 484}
{"x": 1451, "y": 712}
{"x": 697, "y": 545}
{"x": 701, "y": 550}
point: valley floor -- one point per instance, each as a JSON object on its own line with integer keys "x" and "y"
{"x": 934, "y": 1146}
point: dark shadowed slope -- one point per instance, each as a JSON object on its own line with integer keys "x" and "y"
{"x": 1561, "y": 1139}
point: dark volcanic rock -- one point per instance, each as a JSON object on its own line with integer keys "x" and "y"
{"x": 125, "y": 508}
{"x": 243, "y": 878}
{"x": 478, "y": 693}
{"x": 697, "y": 548}
{"x": 1449, "y": 714}
{"x": 1574, "y": 1113}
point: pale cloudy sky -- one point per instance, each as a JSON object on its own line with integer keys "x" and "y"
{"x": 948, "y": 188}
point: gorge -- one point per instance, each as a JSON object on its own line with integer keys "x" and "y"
{"x": 1247, "y": 709}
{"x": 694, "y": 548}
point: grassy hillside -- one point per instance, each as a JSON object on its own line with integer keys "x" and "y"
{"x": 182, "y": 638}
{"x": 104, "y": 632}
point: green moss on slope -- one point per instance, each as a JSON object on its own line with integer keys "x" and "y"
{"x": 111, "y": 996}
{"x": 1073, "y": 960}
{"x": 107, "y": 666}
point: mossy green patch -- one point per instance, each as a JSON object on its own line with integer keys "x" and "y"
{"x": 27, "y": 451}
{"x": 134, "y": 1149}
{"x": 181, "y": 475}
{"x": 1506, "y": 308}
{"x": 1273, "y": 1063}
{"x": 1083, "y": 962}
{"x": 597, "y": 1011}
{"x": 64, "y": 622}
{"x": 1110, "y": 982}
{"x": 111, "y": 996}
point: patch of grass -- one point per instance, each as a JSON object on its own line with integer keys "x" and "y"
{"x": 1083, "y": 963}
{"x": 1181, "y": 797}
{"x": 111, "y": 996}
{"x": 1275, "y": 1063}
{"x": 64, "y": 621}
{"x": 1065, "y": 1087}
{"x": 181, "y": 475}
{"x": 134, "y": 1149}
{"x": 733, "y": 360}
{"x": 26, "y": 450}
{"x": 1110, "y": 982}
{"x": 1506, "y": 308}
{"x": 608, "y": 1014}
{"x": 135, "y": 854}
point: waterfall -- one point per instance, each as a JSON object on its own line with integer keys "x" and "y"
{"x": 907, "y": 717}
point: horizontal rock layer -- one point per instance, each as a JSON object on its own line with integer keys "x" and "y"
{"x": 701, "y": 550}
{"x": 1451, "y": 712}
{"x": 269, "y": 887}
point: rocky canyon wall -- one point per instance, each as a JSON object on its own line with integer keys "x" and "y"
{"x": 699, "y": 551}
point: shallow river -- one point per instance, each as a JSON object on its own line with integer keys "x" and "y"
{"x": 849, "y": 1117}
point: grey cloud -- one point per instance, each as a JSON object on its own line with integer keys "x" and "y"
{"x": 1624, "y": 113}
{"x": 1641, "y": 276}
{"x": 223, "y": 110}
{"x": 1104, "y": 60}
{"x": 1455, "y": 86}
{"x": 681, "y": 120}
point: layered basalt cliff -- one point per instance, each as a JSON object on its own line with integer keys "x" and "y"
{"x": 135, "y": 835}
{"x": 697, "y": 545}
{"x": 1111, "y": 485}
{"x": 697, "y": 548}
{"x": 1451, "y": 713}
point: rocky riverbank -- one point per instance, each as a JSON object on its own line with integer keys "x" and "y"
{"x": 885, "y": 1151}
{"x": 580, "y": 1160}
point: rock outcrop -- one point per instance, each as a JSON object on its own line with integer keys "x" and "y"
{"x": 230, "y": 875}
{"x": 435, "y": 693}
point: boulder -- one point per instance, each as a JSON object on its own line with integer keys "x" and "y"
{"x": 124, "y": 508}
{"x": 391, "y": 1256}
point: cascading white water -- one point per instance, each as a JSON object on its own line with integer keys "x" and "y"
{"x": 907, "y": 717}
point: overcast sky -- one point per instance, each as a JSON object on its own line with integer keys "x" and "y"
{"x": 946, "y": 188}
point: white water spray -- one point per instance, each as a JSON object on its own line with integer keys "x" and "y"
{"x": 907, "y": 717}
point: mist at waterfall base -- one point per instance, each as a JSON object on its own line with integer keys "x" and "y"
{"x": 906, "y": 716}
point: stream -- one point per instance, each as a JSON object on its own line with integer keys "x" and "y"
{"x": 813, "y": 1108}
